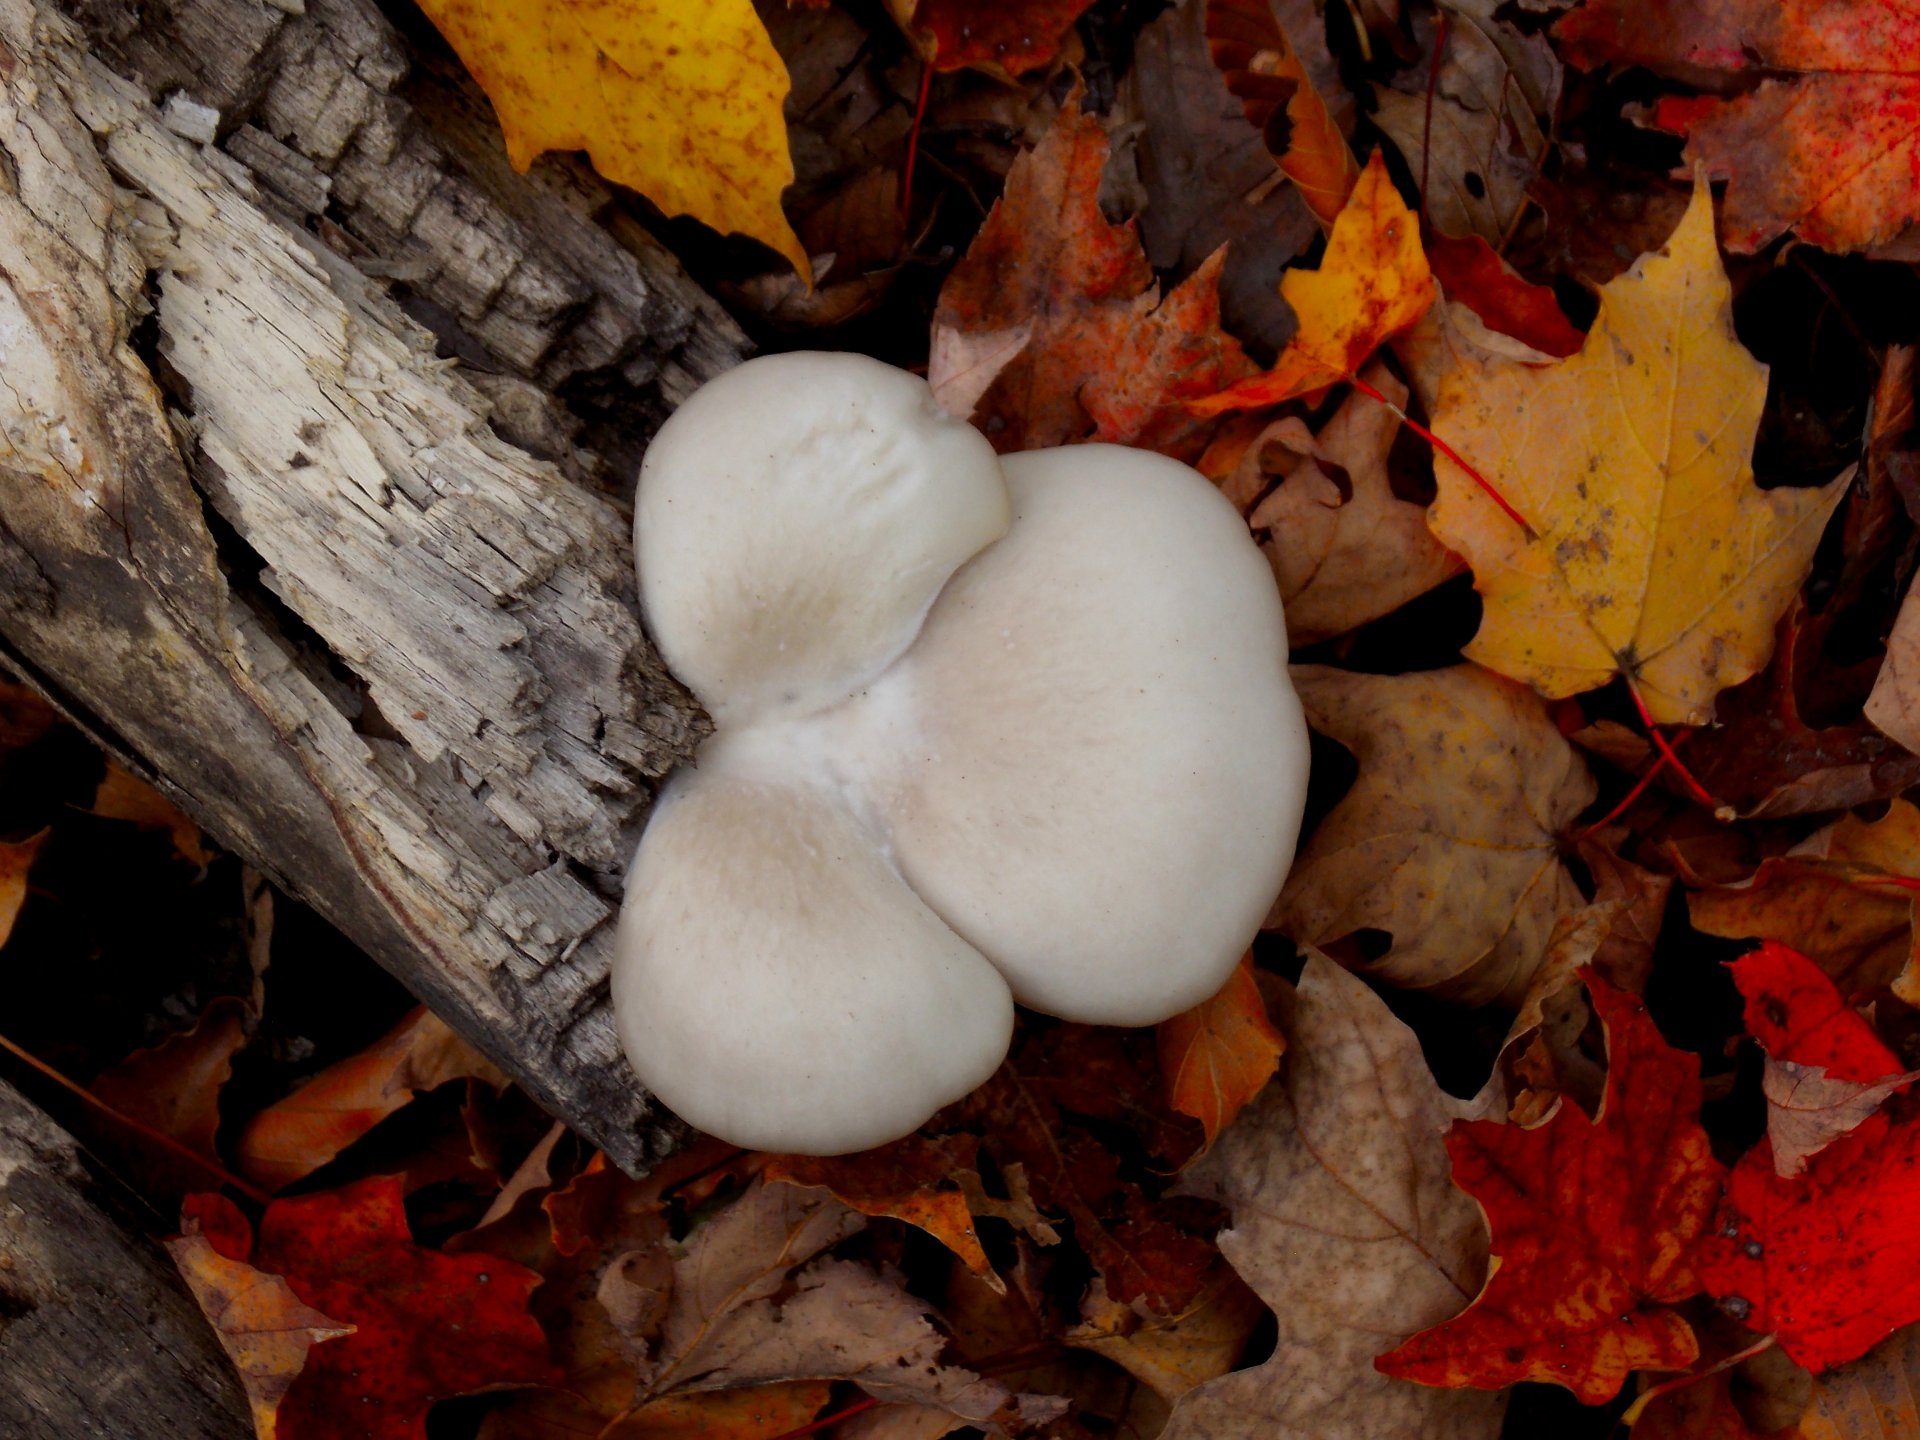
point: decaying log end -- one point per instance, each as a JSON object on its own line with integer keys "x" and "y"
{"x": 267, "y": 545}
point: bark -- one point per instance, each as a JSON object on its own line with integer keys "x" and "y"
{"x": 275, "y": 546}
{"x": 97, "y": 1334}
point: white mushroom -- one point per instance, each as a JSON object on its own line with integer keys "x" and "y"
{"x": 1070, "y": 773}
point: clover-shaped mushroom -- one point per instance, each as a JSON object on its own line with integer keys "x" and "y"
{"x": 987, "y": 730}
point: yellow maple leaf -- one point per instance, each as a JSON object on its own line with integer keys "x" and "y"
{"x": 681, "y": 102}
{"x": 1373, "y": 282}
{"x": 1648, "y": 549}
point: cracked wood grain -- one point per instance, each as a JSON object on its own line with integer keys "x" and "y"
{"x": 379, "y": 651}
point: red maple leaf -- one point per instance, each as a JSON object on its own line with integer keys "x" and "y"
{"x": 1593, "y": 1225}
{"x": 1002, "y": 39}
{"x": 1797, "y": 1013}
{"x": 1828, "y": 1261}
{"x": 430, "y": 1325}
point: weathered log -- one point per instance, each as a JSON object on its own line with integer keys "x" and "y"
{"x": 261, "y": 539}
{"x": 97, "y": 1334}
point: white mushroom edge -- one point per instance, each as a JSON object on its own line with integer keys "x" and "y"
{"x": 988, "y": 730}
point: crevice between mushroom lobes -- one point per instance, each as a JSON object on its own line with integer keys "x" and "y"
{"x": 987, "y": 730}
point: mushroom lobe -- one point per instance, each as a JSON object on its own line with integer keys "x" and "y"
{"x": 1107, "y": 774}
{"x": 780, "y": 986}
{"x": 794, "y": 520}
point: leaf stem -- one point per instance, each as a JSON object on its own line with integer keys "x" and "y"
{"x": 1903, "y": 882}
{"x": 1447, "y": 450}
{"x": 166, "y": 1142}
{"x": 913, "y": 140}
{"x": 1647, "y": 777}
{"x": 1670, "y": 755}
{"x": 859, "y": 1407}
{"x": 1634, "y": 1411}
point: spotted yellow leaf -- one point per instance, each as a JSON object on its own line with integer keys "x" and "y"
{"x": 1648, "y": 550}
{"x": 679, "y": 101}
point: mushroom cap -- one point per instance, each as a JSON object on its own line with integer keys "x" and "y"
{"x": 779, "y": 984}
{"x": 1105, "y": 778}
{"x": 795, "y": 518}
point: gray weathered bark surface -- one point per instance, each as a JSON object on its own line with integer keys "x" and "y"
{"x": 97, "y": 1334}
{"x": 270, "y": 549}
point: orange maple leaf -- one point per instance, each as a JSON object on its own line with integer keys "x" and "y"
{"x": 296, "y": 1136}
{"x": 1593, "y": 1223}
{"x": 1217, "y": 1056}
{"x": 1373, "y": 283}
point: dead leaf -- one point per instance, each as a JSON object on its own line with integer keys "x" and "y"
{"x": 1648, "y": 550}
{"x": 1217, "y": 1056}
{"x": 1208, "y": 178}
{"x": 1344, "y": 548}
{"x": 1843, "y": 897}
{"x": 296, "y": 1136}
{"x": 1155, "y": 1254}
{"x": 258, "y": 1320}
{"x": 1594, "y": 1223}
{"x": 1346, "y": 1224}
{"x": 529, "y": 1176}
{"x": 1894, "y": 705}
{"x": 1373, "y": 283}
{"x": 122, "y": 796}
{"x": 1827, "y": 1261}
{"x": 350, "y": 1253}
{"x": 897, "y": 1422}
{"x": 1172, "y": 1355}
{"x": 842, "y": 1321}
{"x": 24, "y": 716}
{"x": 681, "y": 102}
{"x": 1624, "y": 958}
{"x": 1480, "y": 142}
{"x": 1449, "y": 841}
{"x": 1808, "y": 1109}
{"x": 1472, "y": 273}
{"x": 758, "y": 1413}
{"x": 1764, "y": 760}
{"x": 1542, "y": 1048}
{"x": 1826, "y": 1070}
{"x": 1876, "y": 1397}
{"x": 753, "y": 1301}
